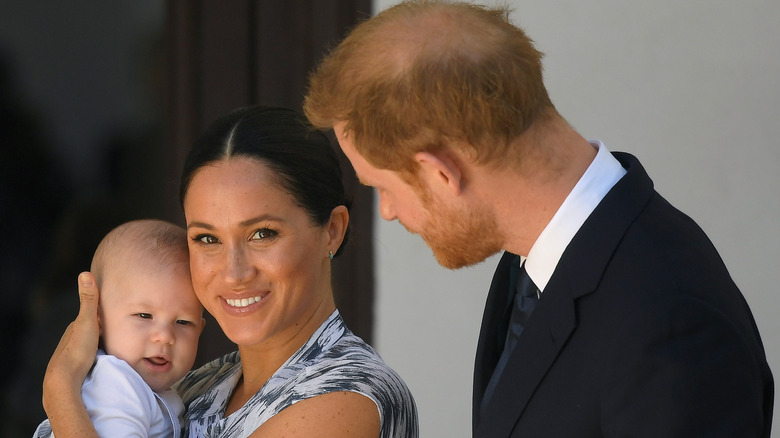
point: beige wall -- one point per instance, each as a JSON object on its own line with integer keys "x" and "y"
{"x": 691, "y": 88}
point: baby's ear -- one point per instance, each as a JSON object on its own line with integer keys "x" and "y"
{"x": 202, "y": 324}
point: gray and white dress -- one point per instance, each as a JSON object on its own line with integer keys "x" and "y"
{"x": 332, "y": 360}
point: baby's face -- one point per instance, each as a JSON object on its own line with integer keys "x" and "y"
{"x": 151, "y": 319}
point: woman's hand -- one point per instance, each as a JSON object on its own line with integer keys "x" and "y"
{"x": 69, "y": 365}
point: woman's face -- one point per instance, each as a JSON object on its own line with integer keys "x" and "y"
{"x": 259, "y": 264}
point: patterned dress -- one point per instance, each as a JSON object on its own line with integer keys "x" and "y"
{"x": 333, "y": 359}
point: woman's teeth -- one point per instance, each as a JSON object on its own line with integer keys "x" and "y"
{"x": 243, "y": 302}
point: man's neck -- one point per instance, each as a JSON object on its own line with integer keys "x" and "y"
{"x": 524, "y": 200}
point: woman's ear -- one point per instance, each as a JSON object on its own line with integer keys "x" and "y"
{"x": 438, "y": 168}
{"x": 337, "y": 227}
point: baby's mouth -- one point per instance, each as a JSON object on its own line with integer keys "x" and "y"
{"x": 157, "y": 360}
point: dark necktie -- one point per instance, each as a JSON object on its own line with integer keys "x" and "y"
{"x": 503, "y": 323}
{"x": 523, "y": 295}
{"x": 526, "y": 296}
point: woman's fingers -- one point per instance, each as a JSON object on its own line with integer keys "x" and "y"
{"x": 75, "y": 353}
{"x": 88, "y": 309}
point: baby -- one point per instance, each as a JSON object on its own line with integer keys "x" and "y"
{"x": 150, "y": 322}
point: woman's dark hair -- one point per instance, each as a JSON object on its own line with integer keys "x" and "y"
{"x": 305, "y": 163}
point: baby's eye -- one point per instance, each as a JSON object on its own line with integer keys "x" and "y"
{"x": 144, "y": 315}
{"x": 183, "y": 322}
{"x": 264, "y": 233}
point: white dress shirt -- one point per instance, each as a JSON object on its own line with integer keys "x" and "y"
{"x": 602, "y": 174}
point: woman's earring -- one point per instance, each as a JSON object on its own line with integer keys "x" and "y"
{"x": 330, "y": 253}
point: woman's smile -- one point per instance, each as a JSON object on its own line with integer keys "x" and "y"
{"x": 240, "y": 306}
{"x": 243, "y": 302}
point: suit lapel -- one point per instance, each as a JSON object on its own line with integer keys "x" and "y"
{"x": 551, "y": 325}
{"x": 554, "y": 320}
{"x": 487, "y": 346}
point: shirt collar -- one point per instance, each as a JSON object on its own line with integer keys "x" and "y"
{"x": 602, "y": 174}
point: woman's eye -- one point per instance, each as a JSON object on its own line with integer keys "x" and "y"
{"x": 206, "y": 238}
{"x": 264, "y": 233}
{"x": 145, "y": 315}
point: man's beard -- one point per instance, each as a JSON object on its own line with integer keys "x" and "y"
{"x": 459, "y": 237}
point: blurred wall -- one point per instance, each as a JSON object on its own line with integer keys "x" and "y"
{"x": 693, "y": 90}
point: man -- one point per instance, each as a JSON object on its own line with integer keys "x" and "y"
{"x": 610, "y": 312}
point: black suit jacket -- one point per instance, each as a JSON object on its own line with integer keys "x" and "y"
{"x": 640, "y": 332}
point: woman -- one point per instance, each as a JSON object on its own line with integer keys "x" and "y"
{"x": 266, "y": 213}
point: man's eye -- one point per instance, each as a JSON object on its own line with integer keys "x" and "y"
{"x": 145, "y": 315}
{"x": 264, "y": 233}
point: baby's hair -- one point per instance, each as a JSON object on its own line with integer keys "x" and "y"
{"x": 159, "y": 240}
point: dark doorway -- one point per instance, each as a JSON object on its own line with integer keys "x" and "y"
{"x": 100, "y": 100}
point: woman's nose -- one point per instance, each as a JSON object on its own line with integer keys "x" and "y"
{"x": 237, "y": 269}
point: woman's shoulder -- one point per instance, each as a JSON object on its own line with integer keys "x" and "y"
{"x": 337, "y": 354}
{"x": 336, "y": 360}
{"x": 351, "y": 350}
{"x": 350, "y": 364}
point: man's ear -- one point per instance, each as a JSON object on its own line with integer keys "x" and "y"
{"x": 441, "y": 168}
